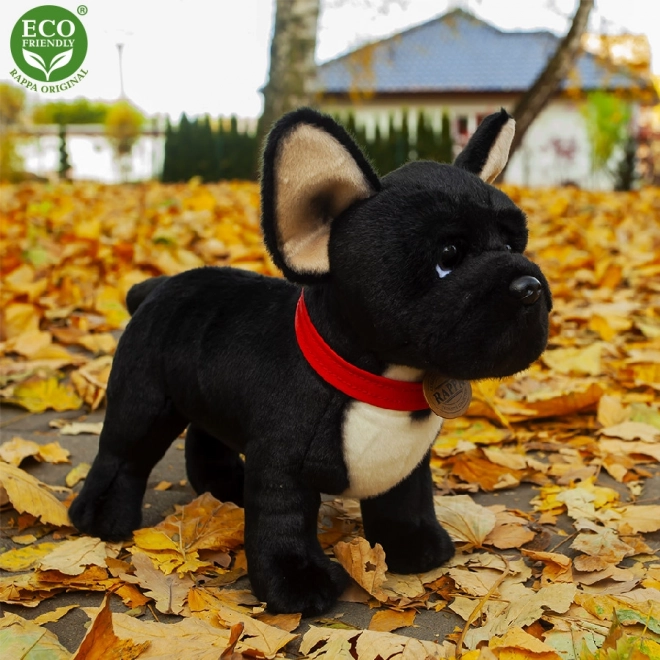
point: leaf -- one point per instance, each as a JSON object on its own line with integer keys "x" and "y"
{"x": 611, "y": 411}
{"x": 53, "y": 452}
{"x": 262, "y": 637}
{"x": 25, "y": 640}
{"x": 20, "y": 559}
{"x": 77, "y": 474}
{"x": 204, "y": 524}
{"x": 366, "y": 565}
{"x": 189, "y": 638}
{"x": 169, "y": 591}
{"x": 55, "y": 615}
{"x": 15, "y": 450}
{"x": 525, "y": 644}
{"x": 577, "y": 361}
{"x": 604, "y": 544}
{"x": 287, "y": 622}
{"x": 28, "y": 494}
{"x": 37, "y": 395}
{"x": 633, "y": 430}
{"x": 35, "y": 60}
{"x": 524, "y": 608}
{"x": 558, "y": 568}
{"x": 59, "y": 61}
{"x": 101, "y": 642}
{"x": 76, "y": 428}
{"x": 72, "y": 557}
{"x": 637, "y": 518}
{"x": 389, "y": 620}
{"x": 465, "y": 520}
{"x": 332, "y": 644}
{"x": 102, "y": 342}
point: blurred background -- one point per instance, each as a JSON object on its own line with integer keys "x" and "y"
{"x": 180, "y": 89}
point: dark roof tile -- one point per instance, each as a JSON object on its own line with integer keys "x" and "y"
{"x": 458, "y": 52}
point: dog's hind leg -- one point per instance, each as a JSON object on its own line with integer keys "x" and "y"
{"x": 403, "y": 521}
{"x": 139, "y": 427}
{"x": 214, "y": 467}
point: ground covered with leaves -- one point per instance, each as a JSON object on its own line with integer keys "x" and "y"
{"x": 571, "y": 572}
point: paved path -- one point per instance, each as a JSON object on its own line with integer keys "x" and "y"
{"x": 71, "y": 629}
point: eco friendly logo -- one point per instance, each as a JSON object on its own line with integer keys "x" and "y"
{"x": 49, "y": 44}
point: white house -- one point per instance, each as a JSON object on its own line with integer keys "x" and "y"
{"x": 459, "y": 64}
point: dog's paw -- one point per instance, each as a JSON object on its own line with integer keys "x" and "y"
{"x": 109, "y": 505}
{"x": 416, "y": 549}
{"x": 298, "y": 584}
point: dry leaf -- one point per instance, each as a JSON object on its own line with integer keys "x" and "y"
{"x": 333, "y": 644}
{"x": 558, "y": 568}
{"x": 287, "y": 622}
{"x": 604, "y": 544}
{"x": 389, "y": 620}
{"x": 169, "y": 591}
{"x": 53, "y": 452}
{"x": 55, "y": 615}
{"x": 633, "y": 430}
{"x": 576, "y": 361}
{"x": 101, "y": 642}
{"x": 72, "y": 557}
{"x": 20, "y": 559}
{"x": 204, "y": 524}
{"x": 637, "y": 518}
{"x": 21, "y": 639}
{"x": 37, "y": 395}
{"x": 262, "y": 637}
{"x": 527, "y": 645}
{"x": 28, "y": 494}
{"x": 189, "y": 638}
{"x": 77, "y": 474}
{"x": 465, "y": 520}
{"x": 366, "y": 565}
{"x": 76, "y": 428}
{"x": 15, "y": 450}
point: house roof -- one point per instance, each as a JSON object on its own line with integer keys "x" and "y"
{"x": 457, "y": 52}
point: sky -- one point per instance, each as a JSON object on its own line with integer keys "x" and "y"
{"x": 211, "y": 56}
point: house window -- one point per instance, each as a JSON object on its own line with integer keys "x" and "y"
{"x": 462, "y": 123}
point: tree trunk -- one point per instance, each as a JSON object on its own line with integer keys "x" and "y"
{"x": 537, "y": 96}
{"x": 292, "y": 75}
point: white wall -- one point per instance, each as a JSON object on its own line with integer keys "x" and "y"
{"x": 555, "y": 150}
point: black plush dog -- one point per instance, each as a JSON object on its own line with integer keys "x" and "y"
{"x": 320, "y": 386}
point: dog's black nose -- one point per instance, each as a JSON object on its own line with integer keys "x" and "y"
{"x": 527, "y": 289}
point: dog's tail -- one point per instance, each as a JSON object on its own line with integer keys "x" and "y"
{"x": 138, "y": 292}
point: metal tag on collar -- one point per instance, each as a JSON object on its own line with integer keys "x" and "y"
{"x": 447, "y": 397}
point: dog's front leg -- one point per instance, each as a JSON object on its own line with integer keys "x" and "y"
{"x": 403, "y": 521}
{"x": 286, "y": 565}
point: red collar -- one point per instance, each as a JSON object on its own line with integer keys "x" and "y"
{"x": 347, "y": 378}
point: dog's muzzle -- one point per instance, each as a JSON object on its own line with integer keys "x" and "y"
{"x": 526, "y": 289}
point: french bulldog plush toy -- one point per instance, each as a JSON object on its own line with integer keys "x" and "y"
{"x": 317, "y": 381}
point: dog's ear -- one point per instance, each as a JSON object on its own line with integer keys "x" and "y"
{"x": 487, "y": 151}
{"x": 312, "y": 172}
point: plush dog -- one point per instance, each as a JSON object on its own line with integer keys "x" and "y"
{"x": 317, "y": 380}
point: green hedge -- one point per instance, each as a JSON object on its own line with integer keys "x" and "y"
{"x": 195, "y": 148}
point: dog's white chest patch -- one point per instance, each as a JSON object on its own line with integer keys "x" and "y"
{"x": 382, "y": 447}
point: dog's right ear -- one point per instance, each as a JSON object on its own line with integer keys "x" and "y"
{"x": 312, "y": 172}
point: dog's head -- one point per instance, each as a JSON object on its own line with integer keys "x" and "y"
{"x": 427, "y": 262}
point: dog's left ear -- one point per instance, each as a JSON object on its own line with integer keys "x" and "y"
{"x": 487, "y": 151}
{"x": 312, "y": 172}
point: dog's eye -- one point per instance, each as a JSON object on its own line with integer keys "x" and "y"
{"x": 449, "y": 259}
{"x": 508, "y": 248}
